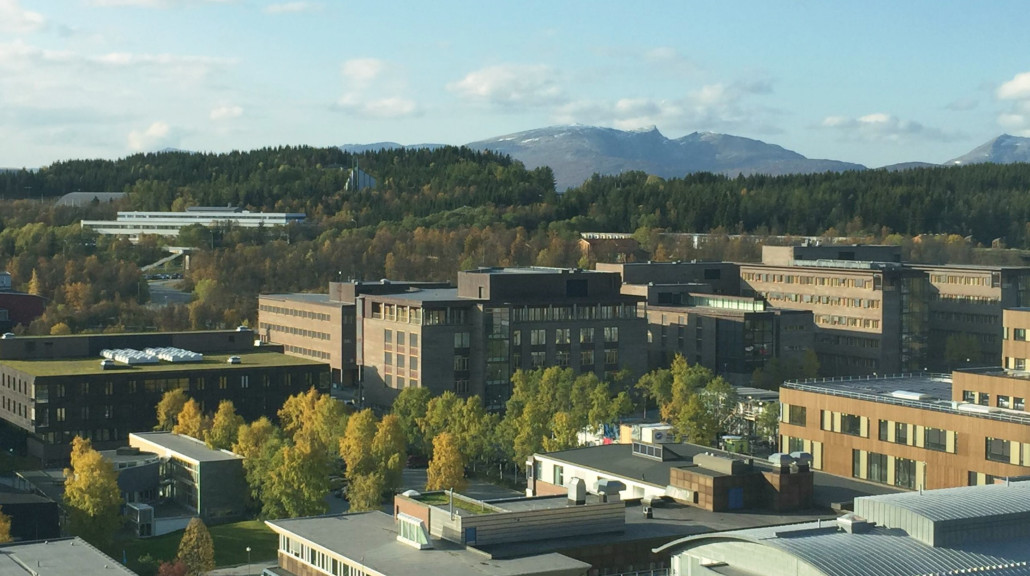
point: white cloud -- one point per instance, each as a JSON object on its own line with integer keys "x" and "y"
{"x": 880, "y": 126}
{"x": 716, "y": 107}
{"x": 362, "y": 71}
{"x": 157, "y": 136}
{"x": 292, "y": 7}
{"x": 1016, "y": 119}
{"x": 511, "y": 86}
{"x": 226, "y": 112}
{"x": 15, "y": 19}
{"x": 374, "y": 89}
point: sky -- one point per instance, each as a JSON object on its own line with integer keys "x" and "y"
{"x": 872, "y": 82}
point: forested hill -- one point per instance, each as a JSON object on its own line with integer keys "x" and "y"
{"x": 986, "y": 201}
{"x": 299, "y": 179}
{"x": 436, "y": 187}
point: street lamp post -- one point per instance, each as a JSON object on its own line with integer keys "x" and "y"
{"x": 248, "y": 560}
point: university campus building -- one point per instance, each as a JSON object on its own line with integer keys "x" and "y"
{"x": 472, "y": 338}
{"x": 17, "y": 307}
{"x": 136, "y": 224}
{"x": 922, "y": 430}
{"x": 53, "y": 388}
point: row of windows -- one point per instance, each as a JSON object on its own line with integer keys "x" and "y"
{"x": 834, "y": 320}
{"x": 399, "y": 313}
{"x": 577, "y": 312}
{"x": 320, "y": 354}
{"x": 885, "y": 469}
{"x": 988, "y": 319}
{"x": 932, "y": 438}
{"x": 328, "y": 564}
{"x": 1001, "y": 400}
{"x": 963, "y": 299}
{"x": 403, "y": 339}
{"x": 400, "y": 360}
{"x": 295, "y": 331}
{"x": 993, "y": 281}
{"x": 399, "y": 381}
{"x": 1007, "y": 451}
{"x": 821, "y": 280}
{"x": 849, "y": 341}
{"x": 16, "y": 384}
{"x": 294, "y": 312}
{"x": 826, "y": 300}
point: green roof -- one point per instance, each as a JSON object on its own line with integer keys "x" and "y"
{"x": 89, "y": 366}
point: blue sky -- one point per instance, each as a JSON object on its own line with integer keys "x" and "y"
{"x": 869, "y": 82}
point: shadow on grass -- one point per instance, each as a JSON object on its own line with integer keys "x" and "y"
{"x": 231, "y": 542}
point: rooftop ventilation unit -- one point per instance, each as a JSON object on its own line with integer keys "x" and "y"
{"x": 853, "y": 524}
{"x": 174, "y": 355}
{"x": 129, "y": 356}
{"x": 577, "y": 491}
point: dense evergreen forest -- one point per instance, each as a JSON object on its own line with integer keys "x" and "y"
{"x": 435, "y": 212}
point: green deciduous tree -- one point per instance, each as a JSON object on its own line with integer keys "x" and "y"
{"x": 296, "y": 483}
{"x": 259, "y": 443}
{"x": 224, "y": 427}
{"x": 447, "y": 468}
{"x": 767, "y": 422}
{"x": 411, "y": 406}
{"x": 389, "y": 448}
{"x": 196, "y": 549}
{"x": 91, "y": 494}
{"x": 168, "y": 409}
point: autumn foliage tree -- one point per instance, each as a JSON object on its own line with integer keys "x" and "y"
{"x": 196, "y": 549}
{"x": 224, "y": 427}
{"x": 191, "y": 421}
{"x": 91, "y": 494}
{"x": 375, "y": 455}
{"x": 447, "y": 468}
{"x": 169, "y": 407}
{"x": 5, "y": 527}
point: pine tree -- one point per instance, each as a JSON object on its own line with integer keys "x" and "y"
{"x": 196, "y": 549}
{"x": 91, "y": 494}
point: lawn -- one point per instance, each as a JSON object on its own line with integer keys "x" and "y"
{"x": 231, "y": 541}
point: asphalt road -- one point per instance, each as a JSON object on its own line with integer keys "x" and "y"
{"x": 163, "y": 293}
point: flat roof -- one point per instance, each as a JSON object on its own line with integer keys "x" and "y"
{"x": 68, "y": 557}
{"x": 91, "y": 366}
{"x": 618, "y": 460}
{"x": 370, "y": 539}
{"x": 924, "y": 391}
{"x": 423, "y": 295}
{"x": 306, "y": 297}
{"x": 535, "y": 270}
{"x": 191, "y": 448}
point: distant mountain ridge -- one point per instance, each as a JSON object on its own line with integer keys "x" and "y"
{"x": 1005, "y": 149}
{"x": 577, "y": 152}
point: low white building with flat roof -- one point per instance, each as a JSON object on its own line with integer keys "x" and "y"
{"x": 135, "y": 224}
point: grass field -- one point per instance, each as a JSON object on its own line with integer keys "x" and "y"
{"x": 231, "y": 541}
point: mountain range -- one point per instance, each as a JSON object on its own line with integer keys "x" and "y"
{"x": 577, "y": 152}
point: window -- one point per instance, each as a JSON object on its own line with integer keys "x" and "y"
{"x": 798, "y": 415}
{"x": 400, "y": 360}
{"x": 611, "y": 334}
{"x": 538, "y": 337}
{"x": 461, "y": 339}
{"x": 586, "y": 335}
{"x": 413, "y": 363}
{"x": 413, "y": 340}
{"x": 877, "y": 467}
{"x": 461, "y": 363}
{"x": 796, "y": 444}
{"x": 1019, "y": 334}
{"x": 611, "y": 357}
{"x": 969, "y": 396}
{"x": 905, "y": 473}
{"x": 388, "y": 358}
{"x": 901, "y": 433}
{"x": 561, "y": 336}
{"x": 1003, "y": 401}
{"x": 586, "y": 358}
{"x": 883, "y": 430}
{"x": 935, "y": 439}
{"x": 984, "y": 399}
{"x": 1018, "y": 403}
{"x": 851, "y": 424}
{"x": 400, "y": 338}
{"x": 998, "y": 450}
{"x": 856, "y": 463}
{"x": 387, "y": 336}
{"x": 559, "y": 475}
{"x": 538, "y": 359}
